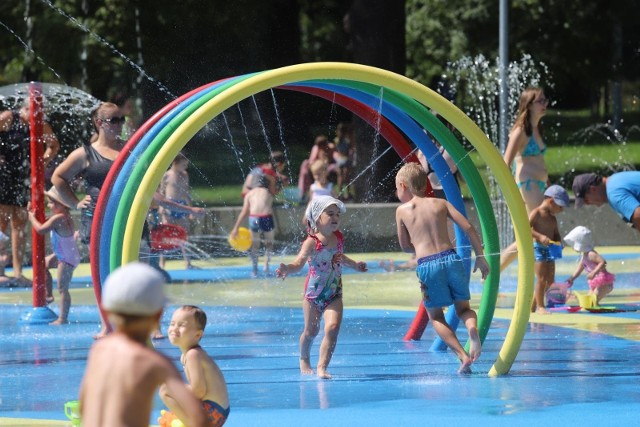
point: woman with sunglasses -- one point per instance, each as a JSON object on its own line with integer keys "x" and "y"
{"x": 525, "y": 155}
{"x": 91, "y": 162}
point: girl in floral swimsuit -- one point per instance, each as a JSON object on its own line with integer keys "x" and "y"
{"x": 323, "y": 251}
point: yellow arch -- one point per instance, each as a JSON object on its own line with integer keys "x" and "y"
{"x": 383, "y": 78}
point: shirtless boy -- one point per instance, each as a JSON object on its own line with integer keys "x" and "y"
{"x": 204, "y": 377}
{"x": 122, "y": 372}
{"x": 422, "y": 229}
{"x": 258, "y": 206}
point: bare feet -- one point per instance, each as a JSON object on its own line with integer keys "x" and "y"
{"x": 103, "y": 333}
{"x": 475, "y": 346}
{"x": 59, "y": 321}
{"x": 388, "y": 265}
{"x": 465, "y": 367}
{"x": 322, "y": 373}
{"x": 305, "y": 367}
{"x": 542, "y": 310}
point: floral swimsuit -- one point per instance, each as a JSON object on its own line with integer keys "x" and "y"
{"x": 324, "y": 281}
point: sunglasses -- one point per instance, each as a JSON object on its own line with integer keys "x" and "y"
{"x": 114, "y": 120}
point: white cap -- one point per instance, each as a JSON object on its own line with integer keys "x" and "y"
{"x": 317, "y": 205}
{"x": 134, "y": 289}
{"x": 580, "y": 238}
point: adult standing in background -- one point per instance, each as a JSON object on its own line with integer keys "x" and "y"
{"x": 525, "y": 155}
{"x": 15, "y": 178}
{"x": 92, "y": 162}
{"x": 128, "y": 109}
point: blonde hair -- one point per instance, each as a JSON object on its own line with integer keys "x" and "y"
{"x": 414, "y": 177}
{"x": 318, "y": 167}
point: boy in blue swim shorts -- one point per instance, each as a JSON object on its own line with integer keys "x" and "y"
{"x": 204, "y": 377}
{"x": 422, "y": 229}
{"x": 258, "y": 207}
{"x": 544, "y": 227}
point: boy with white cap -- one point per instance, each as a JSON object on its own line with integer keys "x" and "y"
{"x": 122, "y": 372}
{"x": 324, "y": 251}
{"x": 544, "y": 227}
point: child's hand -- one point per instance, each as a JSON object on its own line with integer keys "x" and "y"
{"x": 282, "y": 271}
{"x": 591, "y": 275}
{"x": 197, "y": 212}
{"x": 84, "y": 203}
{"x": 481, "y": 264}
{"x": 570, "y": 281}
{"x": 361, "y": 266}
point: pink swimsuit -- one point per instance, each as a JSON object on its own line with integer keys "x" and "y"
{"x": 65, "y": 249}
{"x": 601, "y": 279}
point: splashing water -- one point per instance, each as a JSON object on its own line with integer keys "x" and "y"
{"x": 476, "y": 82}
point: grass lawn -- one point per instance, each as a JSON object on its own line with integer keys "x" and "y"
{"x": 576, "y": 144}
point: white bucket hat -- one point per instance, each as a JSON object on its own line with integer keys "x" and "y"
{"x": 580, "y": 238}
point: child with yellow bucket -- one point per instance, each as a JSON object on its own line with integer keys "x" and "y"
{"x": 599, "y": 279}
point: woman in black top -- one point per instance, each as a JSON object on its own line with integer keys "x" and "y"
{"x": 15, "y": 178}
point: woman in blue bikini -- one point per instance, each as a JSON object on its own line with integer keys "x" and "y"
{"x": 525, "y": 155}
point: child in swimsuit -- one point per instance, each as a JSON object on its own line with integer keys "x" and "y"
{"x": 258, "y": 207}
{"x": 422, "y": 229}
{"x": 175, "y": 187}
{"x": 204, "y": 377}
{"x": 544, "y": 227}
{"x": 599, "y": 279}
{"x": 323, "y": 251}
{"x": 65, "y": 254}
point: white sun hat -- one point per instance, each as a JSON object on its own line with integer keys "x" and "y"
{"x": 580, "y": 238}
{"x": 317, "y": 205}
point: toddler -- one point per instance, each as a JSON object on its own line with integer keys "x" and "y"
{"x": 599, "y": 279}
{"x": 204, "y": 377}
{"x": 544, "y": 227}
{"x": 65, "y": 254}
{"x": 323, "y": 250}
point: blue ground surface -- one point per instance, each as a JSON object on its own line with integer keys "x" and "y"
{"x": 561, "y": 375}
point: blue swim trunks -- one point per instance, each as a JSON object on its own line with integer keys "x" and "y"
{"x": 216, "y": 414}
{"x": 541, "y": 253}
{"x": 261, "y": 224}
{"x": 178, "y": 214}
{"x": 443, "y": 279}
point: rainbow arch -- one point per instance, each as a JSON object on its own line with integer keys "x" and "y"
{"x": 393, "y": 100}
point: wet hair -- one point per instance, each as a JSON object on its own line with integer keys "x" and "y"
{"x": 414, "y": 177}
{"x": 527, "y": 97}
{"x": 198, "y": 314}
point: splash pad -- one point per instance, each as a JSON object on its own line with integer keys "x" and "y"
{"x": 402, "y": 101}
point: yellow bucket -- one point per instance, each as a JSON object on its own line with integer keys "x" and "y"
{"x": 586, "y": 300}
